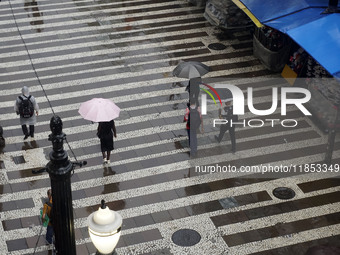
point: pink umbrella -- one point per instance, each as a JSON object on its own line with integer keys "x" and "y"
{"x": 99, "y": 110}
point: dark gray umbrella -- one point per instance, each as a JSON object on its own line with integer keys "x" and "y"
{"x": 190, "y": 69}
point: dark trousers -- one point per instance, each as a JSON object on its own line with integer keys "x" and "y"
{"x": 49, "y": 234}
{"x": 25, "y": 131}
{"x": 192, "y": 134}
{"x": 225, "y": 128}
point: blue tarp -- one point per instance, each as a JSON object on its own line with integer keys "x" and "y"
{"x": 318, "y": 34}
{"x": 321, "y": 39}
{"x": 295, "y": 20}
{"x": 266, "y": 10}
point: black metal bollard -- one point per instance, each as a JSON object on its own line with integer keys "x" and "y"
{"x": 59, "y": 169}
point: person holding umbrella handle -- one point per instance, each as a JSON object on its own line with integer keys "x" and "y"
{"x": 105, "y": 132}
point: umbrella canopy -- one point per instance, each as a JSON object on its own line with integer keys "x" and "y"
{"x": 99, "y": 110}
{"x": 190, "y": 69}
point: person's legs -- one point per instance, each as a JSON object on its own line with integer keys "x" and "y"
{"x": 104, "y": 157}
{"x": 193, "y": 142}
{"x": 103, "y": 149}
{"x": 108, "y": 156}
{"x": 32, "y": 130}
{"x": 223, "y": 129}
{"x": 232, "y": 139}
{"x": 188, "y": 132}
{"x": 49, "y": 234}
{"x": 25, "y": 131}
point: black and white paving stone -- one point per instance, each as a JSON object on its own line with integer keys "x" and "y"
{"x": 126, "y": 51}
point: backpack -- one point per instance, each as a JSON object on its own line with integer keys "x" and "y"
{"x": 26, "y": 108}
{"x": 50, "y": 211}
{"x": 194, "y": 119}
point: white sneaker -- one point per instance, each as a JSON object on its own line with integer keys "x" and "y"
{"x": 108, "y": 161}
{"x": 104, "y": 161}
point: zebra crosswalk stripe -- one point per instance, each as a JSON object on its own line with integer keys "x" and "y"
{"x": 87, "y": 49}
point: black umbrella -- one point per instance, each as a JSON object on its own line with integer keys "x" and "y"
{"x": 190, "y": 69}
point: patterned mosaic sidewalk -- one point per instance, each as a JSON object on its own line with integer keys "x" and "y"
{"x": 126, "y": 51}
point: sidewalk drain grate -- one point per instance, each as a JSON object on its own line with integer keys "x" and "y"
{"x": 217, "y": 46}
{"x": 186, "y": 237}
{"x": 284, "y": 193}
{"x": 19, "y": 160}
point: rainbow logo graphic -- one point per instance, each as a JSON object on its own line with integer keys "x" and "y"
{"x": 204, "y": 97}
{"x": 211, "y": 95}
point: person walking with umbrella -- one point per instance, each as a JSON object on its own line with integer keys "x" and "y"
{"x": 194, "y": 120}
{"x": 192, "y": 70}
{"x": 106, "y": 131}
{"x": 103, "y": 111}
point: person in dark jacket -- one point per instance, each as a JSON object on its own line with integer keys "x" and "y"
{"x": 193, "y": 89}
{"x": 106, "y": 131}
{"x": 227, "y": 113}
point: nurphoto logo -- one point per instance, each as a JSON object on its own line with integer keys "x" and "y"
{"x": 238, "y": 99}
